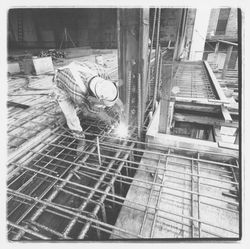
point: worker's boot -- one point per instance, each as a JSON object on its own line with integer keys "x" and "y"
{"x": 81, "y": 142}
{"x": 80, "y": 147}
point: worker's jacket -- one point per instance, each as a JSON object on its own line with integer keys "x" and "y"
{"x": 74, "y": 79}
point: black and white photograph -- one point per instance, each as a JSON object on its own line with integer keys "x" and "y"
{"x": 124, "y": 124}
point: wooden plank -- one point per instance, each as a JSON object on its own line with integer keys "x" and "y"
{"x": 165, "y": 99}
{"x": 198, "y": 108}
{"x": 160, "y": 141}
{"x": 228, "y": 145}
{"x": 29, "y": 145}
{"x": 215, "y": 82}
{"x": 229, "y": 43}
{"x": 203, "y": 120}
{"x": 203, "y": 101}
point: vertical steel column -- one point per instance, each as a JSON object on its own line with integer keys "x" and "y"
{"x": 157, "y": 57}
{"x": 133, "y": 35}
{"x": 143, "y": 57}
{"x": 150, "y": 51}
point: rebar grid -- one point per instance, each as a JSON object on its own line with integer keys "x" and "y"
{"x": 95, "y": 192}
{"x": 193, "y": 81}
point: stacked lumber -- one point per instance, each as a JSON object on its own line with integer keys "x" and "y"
{"x": 31, "y": 109}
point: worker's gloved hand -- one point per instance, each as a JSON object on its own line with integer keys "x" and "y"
{"x": 99, "y": 116}
{"x": 116, "y": 112}
{"x": 95, "y": 104}
{"x": 80, "y": 147}
{"x": 105, "y": 118}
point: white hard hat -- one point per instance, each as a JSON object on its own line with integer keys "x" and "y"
{"x": 105, "y": 90}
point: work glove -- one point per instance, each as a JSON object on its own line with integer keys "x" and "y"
{"x": 95, "y": 104}
{"x": 104, "y": 117}
{"x": 100, "y": 116}
{"x": 116, "y": 112}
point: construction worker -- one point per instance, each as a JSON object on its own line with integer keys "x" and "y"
{"x": 87, "y": 86}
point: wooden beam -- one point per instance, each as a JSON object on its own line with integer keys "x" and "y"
{"x": 229, "y": 43}
{"x": 203, "y": 120}
{"x": 166, "y": 94}
{"x": 215, "y": 82}
{"x": 202, "y": 101}
{"x": 26, "y": 146}
{"x": 160, "y": 140}
{"x": 197, "y": 107}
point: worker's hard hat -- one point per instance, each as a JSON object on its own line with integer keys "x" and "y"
{"x": 105, "y": 90}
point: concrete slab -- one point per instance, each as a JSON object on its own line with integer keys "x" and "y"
{"x": 154, "y": 211}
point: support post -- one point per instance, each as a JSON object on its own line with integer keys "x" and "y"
{"x": 228, "y": 56}
{"x": 216, "y": 50}
{"x": 199, "y": 33}
{"x": 165, "y": 99}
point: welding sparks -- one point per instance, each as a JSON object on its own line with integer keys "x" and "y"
{"x": 121, "y": 130}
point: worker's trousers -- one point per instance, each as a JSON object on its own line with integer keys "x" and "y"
{"x": 69, "y": 110}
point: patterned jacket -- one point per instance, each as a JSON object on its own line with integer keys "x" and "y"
{"x": 74, "y": 80}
